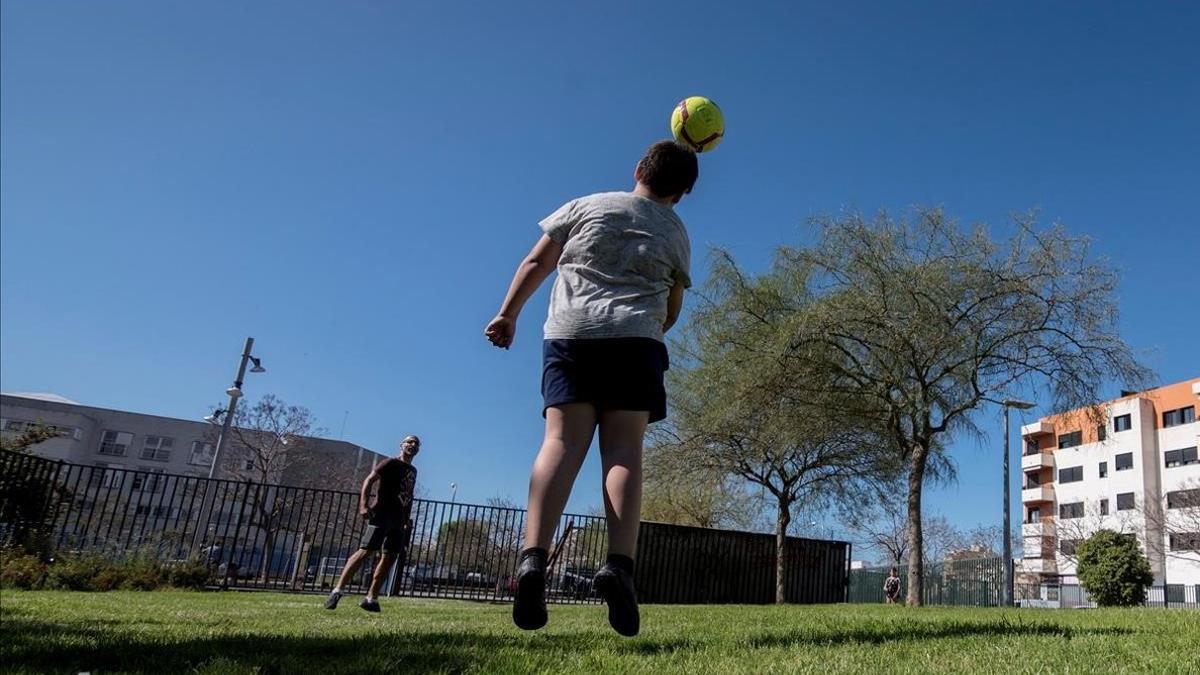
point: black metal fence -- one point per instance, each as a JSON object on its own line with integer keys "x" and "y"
{"x": 275, "y": 537}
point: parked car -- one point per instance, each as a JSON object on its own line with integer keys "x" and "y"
{"x": 576, "y": 582}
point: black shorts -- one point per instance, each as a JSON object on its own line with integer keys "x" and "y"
{"x": 382, "y": 534}
{"x": 609, "y": 373}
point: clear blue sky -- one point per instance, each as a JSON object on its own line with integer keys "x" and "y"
{"x": 353, "y": 183}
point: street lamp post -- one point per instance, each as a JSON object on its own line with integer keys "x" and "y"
{"x": 1007, "y": 566}
{"x": 453, "y": 492}
{"x": 234, "y": 392}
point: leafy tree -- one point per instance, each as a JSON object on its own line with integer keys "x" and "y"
{"x": 680, "y": 492}
{"x": 31, "y": 435}
{"x": 1113, "y": 570}
{"x": 28, "y": 500}
{"x": 917, "y": 324}
{"x": 734, "y": 413}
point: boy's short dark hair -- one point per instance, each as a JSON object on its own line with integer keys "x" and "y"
{"x": 668, "y": 169}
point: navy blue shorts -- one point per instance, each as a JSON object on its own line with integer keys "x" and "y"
{"x": 609, "y": 373}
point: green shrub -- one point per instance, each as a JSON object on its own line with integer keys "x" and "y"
{"x": 1113, "y": 570}
{"x": 76, "y": 572}
{"x": 109, "y": 579}
{"x": 142, "y": 574}
{"x": 21, "y": 571}
{"x": 188, "y": 574}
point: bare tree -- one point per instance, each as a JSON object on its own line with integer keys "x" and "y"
{"x": 1175, "y": 521}
{"x": 883, "y": 527}
{"x": 918, "y": 324}
{"x": 1069, "y": 533}
{"x": 942, "y": 539}
{"x": 271, "y": 443}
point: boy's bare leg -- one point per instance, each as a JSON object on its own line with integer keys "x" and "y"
{"x": 351, "y": 567}
{"x": 381, "y": 572}
{"x": 621, "y": 437}
{"x": 569, "y": 429}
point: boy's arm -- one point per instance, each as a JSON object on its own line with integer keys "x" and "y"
{"x": 674, "y": 305}
{"x": 533, "y": 270}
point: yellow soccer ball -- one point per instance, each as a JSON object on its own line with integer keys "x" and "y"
{"x": 697, "y": 122}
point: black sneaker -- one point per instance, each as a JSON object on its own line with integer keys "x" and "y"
{"x": 332, "y": 601}
{"x": 529, "y": 606}
{"x": 369, "y": 605}
{"x": 616, "y": 587}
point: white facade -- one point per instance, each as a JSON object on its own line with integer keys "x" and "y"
{"x": 140, "y": 442}
{"x": 1117, "y": 480}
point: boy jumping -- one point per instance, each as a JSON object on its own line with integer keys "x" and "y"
{"x": 623, "y": 261}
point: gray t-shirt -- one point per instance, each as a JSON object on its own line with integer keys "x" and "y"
{"x": 621, "y": 255}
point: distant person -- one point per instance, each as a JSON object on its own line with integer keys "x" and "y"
{"x": 388, "y": 522}
{"x": 891, "y": 587}
{"x": 623, "y": 262}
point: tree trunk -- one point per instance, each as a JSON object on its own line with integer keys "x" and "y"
{"x": 268, "y": 553}
{"x": 916, "y": 546}
{"x": 781, "y": 526}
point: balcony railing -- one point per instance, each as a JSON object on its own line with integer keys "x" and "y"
{"x": 1040, "y": 493}
{"x": 1040, "y": 460}
{"x": 1042, "y": 528}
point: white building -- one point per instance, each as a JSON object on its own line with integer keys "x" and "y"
{"x": 1130, "y": 466}
{"x": 136, "y": 441}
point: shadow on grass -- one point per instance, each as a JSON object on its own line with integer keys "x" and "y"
{"x": 928, "y": 631}
{"x": 36, "y": 645}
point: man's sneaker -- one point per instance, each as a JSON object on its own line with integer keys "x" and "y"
{"x": 529, "y": 606}
{"x": 616, "y": 586}
{"x": 332, "y": 601}
{"x": 369, "y": 605}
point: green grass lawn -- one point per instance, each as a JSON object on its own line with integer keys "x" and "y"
{"x": 58, "y": 631}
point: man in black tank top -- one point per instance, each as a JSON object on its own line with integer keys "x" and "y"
{"x": 388, "y": 521}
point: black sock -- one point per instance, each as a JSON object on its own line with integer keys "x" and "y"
{"x": 621, "y": 562}
{"x": 539, "y": 553}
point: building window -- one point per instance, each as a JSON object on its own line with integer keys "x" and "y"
{"x": 1068, "y": 511}
{"x": 1172, "y": 418}
{"x": 1125, "y": 501}
{"x": 1072, "y": 474}
{"x": 248, "y": 465}
{"x": 1035, "y": 515}
{"x": 1069, "y": 546}
{"x": 1104, "y": 469}
{"x": 1183, "y": 499}
{"x": 1032, "y": 481}
{"x": 1101, "y": 433}
{"x": 157, "y": 448}
{"x": 115, "y": 443}
{"x": 1124, "y": 461}
{"x": 158, "y": 511}
{"x": 202, "y": 454}
{"x": 147, "y": 479}
{"x": 1122, "y": 423}
{"x": 1070, "y": 440}
{"x": 1185, "y": 541}
{"x": 1182, "y": 457}
{"x": 19, "y": 426}
{"x": 1104, "y": 507}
